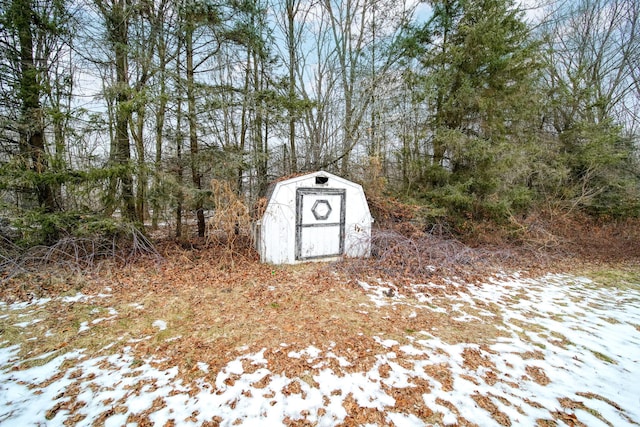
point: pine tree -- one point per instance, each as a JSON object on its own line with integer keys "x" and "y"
{"x": 23, "y": 29}
{"x": 480, "y": 66}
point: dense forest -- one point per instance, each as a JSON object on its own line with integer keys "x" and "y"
{"x": 123, "y": 111}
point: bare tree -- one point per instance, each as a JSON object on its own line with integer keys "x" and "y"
{"x": 198, "y": 20}
{"x": 357, "y": 39}
{"x": 116, "y": 15}
{"x": 593, "y": 46}
{"x": 161, "y": 19}
{"x": 593, "y": 50}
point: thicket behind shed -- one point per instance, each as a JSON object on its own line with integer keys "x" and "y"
{"x": 318, "y": 216}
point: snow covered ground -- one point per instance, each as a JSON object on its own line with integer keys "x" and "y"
{"x": 568, "y": 352}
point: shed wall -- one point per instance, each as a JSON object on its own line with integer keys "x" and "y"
{"x": 277, "y": 234}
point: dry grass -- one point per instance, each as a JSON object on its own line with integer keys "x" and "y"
{"x": 213, "y": 312}
{"x": 213, "y": 306}
{"x": 216, "y": 310}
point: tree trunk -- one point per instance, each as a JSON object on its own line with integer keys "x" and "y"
{"x": 32, "y": 142}
{"x": 180, "y": 195}
{"x": 291, "y": 109}
{"x": 142, "y": 174}
{"x": 260, "y": 122}
{"x": 196, "y": 175}
{"x": 159, "y": 133}
{"x": 117, "y": 25}
{"x": 179, "y": 143}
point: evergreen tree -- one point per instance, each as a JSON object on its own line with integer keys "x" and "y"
{"x": 592, "y": 54}
{"x": 480, "y": 66}
{"x": 117, "y": 18}
{"x": 26, "y": 27}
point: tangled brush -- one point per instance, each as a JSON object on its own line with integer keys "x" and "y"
{"x": 231, "y": 219}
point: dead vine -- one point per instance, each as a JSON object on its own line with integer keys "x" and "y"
{"x": 76, "y": 254}
{"x": 231, "y": 219}
{"x": 423, "y": 256}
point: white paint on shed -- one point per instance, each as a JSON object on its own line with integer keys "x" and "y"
{"x": 318, "y": 216}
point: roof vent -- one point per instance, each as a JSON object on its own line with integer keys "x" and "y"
{"x": 322, "y": 180}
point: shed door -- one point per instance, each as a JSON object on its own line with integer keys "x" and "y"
{"x": 320, "y": 214}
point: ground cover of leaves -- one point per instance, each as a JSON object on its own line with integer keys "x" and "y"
{"x": 199, "y": 340}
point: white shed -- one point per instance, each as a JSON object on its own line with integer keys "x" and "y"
{"x": 318, "y": 216}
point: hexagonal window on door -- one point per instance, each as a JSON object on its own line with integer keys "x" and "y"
{"x": 321, "y": 209}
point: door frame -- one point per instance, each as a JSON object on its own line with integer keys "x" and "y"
{"x": 300, "y": 193}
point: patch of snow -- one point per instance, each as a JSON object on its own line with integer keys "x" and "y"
{"x": 404, "y": 420}
{"x": 78, "y": 297}
{"x": 102, "y": 319}
{"x": 388, "y": 343}
{"x": 465, "y": 318}
{"x": 311, "y": 352}
{"x": 382, "y": 294}
{"x": 136, "y": 340}
{"x": 343, "y": 362}
{"x": 28, "y": 323}
{"x": 8, "y": 354}
{"x": 20, "y": 306}
{"x": 257, "y": 358}
{"x": 159, "y": 324}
